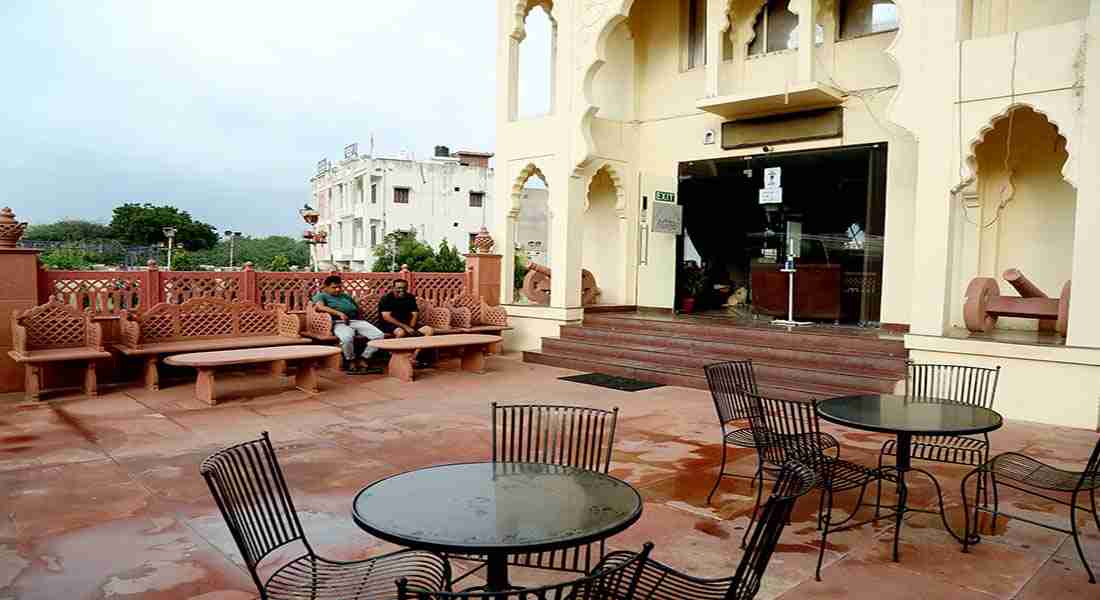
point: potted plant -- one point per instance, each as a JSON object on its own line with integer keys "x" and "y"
{"x": 691, "y": 285}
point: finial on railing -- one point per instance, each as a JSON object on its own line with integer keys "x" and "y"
{"x": 151, "y": 264}
{"x": 483, "y": 242}
{"x": 248, "y": 265}
{"x": 11, "y": 231}
{"x": 404, "y": 268}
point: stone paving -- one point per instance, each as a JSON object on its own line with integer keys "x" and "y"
{"x": 101, "y": 498}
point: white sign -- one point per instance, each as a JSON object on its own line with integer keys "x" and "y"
{"x": 771, "y": 196}
{"x": 772, "y": 178}
{"x": 668, "y": 218}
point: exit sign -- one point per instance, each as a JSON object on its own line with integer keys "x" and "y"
{"x": 664, "y": 197}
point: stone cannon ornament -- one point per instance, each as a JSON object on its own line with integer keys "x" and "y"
{"x": 985, "y": 304}
{"x": 536, "y": 285}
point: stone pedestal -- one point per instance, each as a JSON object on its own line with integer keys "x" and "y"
{"x": 485, "y": 269}
{"x": 18, "y": 292}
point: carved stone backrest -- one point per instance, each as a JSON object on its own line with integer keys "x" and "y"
{"x": 55, "y": 324}
{"x": 438, "y": 318}
{"x": 460, "y": 317}
{"x": 493, "y": 315}
{"x": 317, "y": 322}
{"x": 206, "y": 318}
{"x": 469, "y": 302}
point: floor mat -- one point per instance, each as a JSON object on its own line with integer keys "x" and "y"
{"x": 623, "y": 384}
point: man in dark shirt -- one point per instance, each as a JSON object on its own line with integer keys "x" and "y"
{"x": 399, "y": 312}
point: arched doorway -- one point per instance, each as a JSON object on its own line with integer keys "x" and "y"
{"x": 603, "y": 253}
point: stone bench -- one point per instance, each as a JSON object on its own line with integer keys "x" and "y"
{"x": 203, "y": 324}
{"x": 474, "y": 348}
{"x": 305, "y": 378}
{"x": 52, "y": 333}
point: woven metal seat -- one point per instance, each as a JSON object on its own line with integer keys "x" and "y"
{"x": 1031, "y": 476}
{"x": 955, "y": 449}
{"x": 741, "y": 437}
{"x": 252, "y": 495}
{"x": 661, "y": 582}
{"x": 789, "y": 430}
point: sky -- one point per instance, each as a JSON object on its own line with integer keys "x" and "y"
{"x": 223, "y": 108}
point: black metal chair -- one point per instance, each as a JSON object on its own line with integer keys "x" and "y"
{"x": 661, "y": 582}
{"x": 252, "y": 495}
{"x": 613, "y": 582}
{"x": 571, "y": 436}
{"x": 789, "y": 430}
{"x": 947, "y": 383}
{"x": 729, "y": 382}
{"x": 1027, "y": 475}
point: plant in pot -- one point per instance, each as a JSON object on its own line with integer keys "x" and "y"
{"x": 691, "y": 285}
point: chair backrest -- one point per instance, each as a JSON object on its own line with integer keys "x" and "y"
{"x": 1091, "y": 475}
{"x": 55, "y": 324}
{"x": 786, "y": 430}
{"x": 206, "y": 317}
{"x": 572, "y": 436}
{"x": 795, "y": 480}
{"x": 619, "y": 582}
{"x": 251, "y": 492}
{"x": 730, "y": 383}
{"x": 968, "y": 385}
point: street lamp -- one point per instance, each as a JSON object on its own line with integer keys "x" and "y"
{"x": 312, "y": 236}
{"x": 170, "y": 233}
{"x": 232, "y": 236}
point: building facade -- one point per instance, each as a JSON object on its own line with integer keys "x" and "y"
{"x": 897, "y": 149}
{"x": 362, "y": 198}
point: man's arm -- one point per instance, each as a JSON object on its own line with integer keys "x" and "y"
{"x": 413, "y": 319}
{"x": 388, "y": 317}
{"x": 319, "y": 305}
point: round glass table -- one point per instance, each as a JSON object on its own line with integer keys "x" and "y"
{"x": 906, "y": 417}
{"x": 496, "y": 510}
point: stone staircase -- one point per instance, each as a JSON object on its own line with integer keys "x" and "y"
{"x": 814, "y": 362}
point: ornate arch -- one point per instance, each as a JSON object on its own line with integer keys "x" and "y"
{"x": 970, "y": 161}
{"x": 616, "y": 180}
{"x": 522, "y": 8}
{"x": 529, "y": 171}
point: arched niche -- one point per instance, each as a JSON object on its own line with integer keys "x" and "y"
{"x": 528, "y": 225}
{"x": 532, "y": 60}
{"x": 605, "y": 245}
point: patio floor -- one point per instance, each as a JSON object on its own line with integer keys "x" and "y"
{"x": 101, "y": 498}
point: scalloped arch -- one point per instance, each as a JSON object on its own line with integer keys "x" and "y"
{"x": 970, "y": 162}
{"x": 529, "y": 171}
{"x": 520, "y": 10}
{"x": 616, "y": 180}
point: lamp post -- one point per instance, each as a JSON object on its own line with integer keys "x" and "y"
{"x": 170, "y": 233}
{"x": 232, "y": 236}
{"x": 312, "y": 236}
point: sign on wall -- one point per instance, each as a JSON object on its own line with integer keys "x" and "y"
{"x": 668, "y": 218}
{"x": 771, "y": 196}
{"x": 664, "y": 197}
{"x": 773, "y": 178}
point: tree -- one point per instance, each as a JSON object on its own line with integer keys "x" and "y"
{"x": 258, "y": 251}
{"x": 68, "y": 230}
{"x": 402, "y": 248}
{"x": 183, "y": 260}
{"x": 143, "y": 224}
{"x": 279, "y": 262}
{"x": 66, "y": 259}
{"x": 448, "y": 260}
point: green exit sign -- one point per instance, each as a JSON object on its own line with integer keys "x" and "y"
{"x": 664, "y": 197}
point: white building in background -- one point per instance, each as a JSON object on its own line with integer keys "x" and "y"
{"x": 362, "y": 198}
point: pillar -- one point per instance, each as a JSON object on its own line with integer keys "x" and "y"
{"x": 1084, "y": 322}
{"x": 567, "y": 239}
{"x": 20, "y": 291}
{"x": 807, "y": 26}
{"x": 483, "y": 269}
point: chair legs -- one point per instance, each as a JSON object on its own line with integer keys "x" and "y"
{"x": 1077, "y": 535}
{"x": 721, "y": 472}
{"x": 827, "y": 497}
{"x": 755, "y": 507}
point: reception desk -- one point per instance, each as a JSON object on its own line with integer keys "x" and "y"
{"x": 817, "y": 291}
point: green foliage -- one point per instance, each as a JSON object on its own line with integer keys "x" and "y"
{"x": 66, "y": 259}
{"x": 521, "y": 270}
{"x": 279, "y": 262}
{"x": 183, "y": 260}
{"x": 144, "y": 223}
{"x": 692, "y": 280}
{"x": 259, "y": 251}
{"x": 69, "y": 230}
{"x": 402, "y": 248}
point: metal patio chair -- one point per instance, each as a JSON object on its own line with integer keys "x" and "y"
{"x": 1023, "y": 473}
{"x": 730, "y": 383}
{"x": 252, "y": 495}
{"x": 661, "y": 582}
{"x": 947, "y": 383}
{"x": 789, "y": 430}
{"x": 613, "y": 582}
{"x": 571, "y": 436}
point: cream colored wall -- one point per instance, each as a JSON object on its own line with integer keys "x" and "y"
{"x": 603, "y": 244}
{"x": 994, "y": 17}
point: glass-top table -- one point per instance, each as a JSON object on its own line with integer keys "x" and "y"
{"x": 906, "y": 417}
{"x": 496, "y": 510}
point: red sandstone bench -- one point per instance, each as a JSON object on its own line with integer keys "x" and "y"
{"x": 473, "y": 347}
{"x": 463, "y": 314}
{"x": 305, "y": 378}
{"x": 55, "y": 332}
{"x": 203, "y": 324}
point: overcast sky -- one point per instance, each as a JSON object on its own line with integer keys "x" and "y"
{"x": 223, "y": 108}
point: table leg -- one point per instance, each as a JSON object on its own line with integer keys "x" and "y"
{"x": 473, "y": 359}
{"x": 306, "y": 377}
{"x": 401, "y": 365}
{"x": 496, "y": 576}
{"x": 204, "y": 386}
{"x": 904, "y": 463}
{"x": 152, "y": 380}
{"x": 278, "y": 368}
{"x": 33, "y": 382}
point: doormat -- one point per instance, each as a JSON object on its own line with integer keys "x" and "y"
{"x": 622, "y": 384}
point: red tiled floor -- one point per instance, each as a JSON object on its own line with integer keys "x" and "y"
{"x": 101, "y": 498}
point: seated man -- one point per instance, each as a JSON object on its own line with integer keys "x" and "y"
{"x": 346, "y": 322}
{"x": 400, "y": 314}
